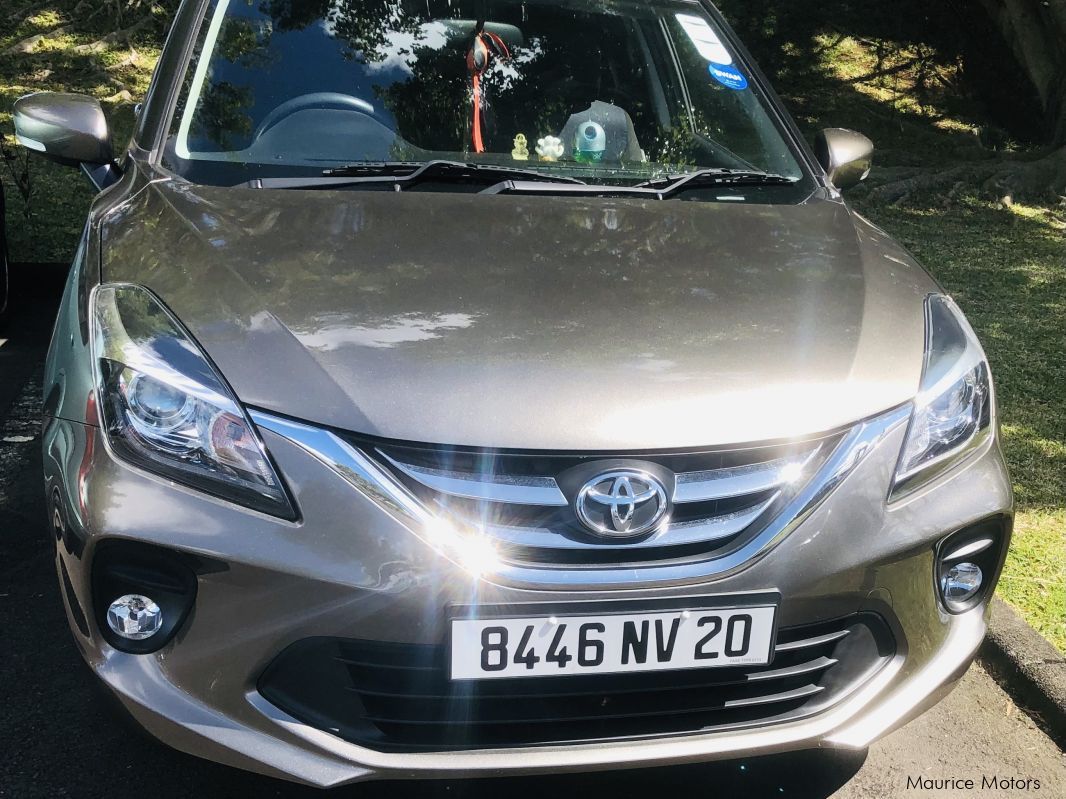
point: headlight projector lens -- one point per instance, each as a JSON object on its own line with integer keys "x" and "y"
{"x": 961, "y": 582}
{"x": 135, "y": 617}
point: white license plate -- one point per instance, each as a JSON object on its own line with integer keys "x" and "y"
{"x": 485, "y": 649}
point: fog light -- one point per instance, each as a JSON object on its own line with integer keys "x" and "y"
{"x": 135, "y": 617}
{"x": 961, "y": 582}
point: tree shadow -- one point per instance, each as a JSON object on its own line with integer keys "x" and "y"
{"x": 899, "y": 71}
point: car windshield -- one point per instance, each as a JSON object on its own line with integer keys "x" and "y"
{"x": 599, "y": 90}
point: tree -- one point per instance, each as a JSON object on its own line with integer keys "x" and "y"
{"x": 1035, "y": 30}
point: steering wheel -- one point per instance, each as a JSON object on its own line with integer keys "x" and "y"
{"x": 314, "y": 100}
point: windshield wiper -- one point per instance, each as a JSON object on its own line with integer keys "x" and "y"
{"x": 405, "y": 174}
{"x": 657, "y": 189}
{"x": 703, "y": 178}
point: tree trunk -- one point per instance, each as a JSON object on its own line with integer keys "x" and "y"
{"x": 1043, "y": 179}
{"x": 1035, "y": 30}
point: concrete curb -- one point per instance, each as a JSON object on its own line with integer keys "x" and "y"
{"x": 1028, "y": 667}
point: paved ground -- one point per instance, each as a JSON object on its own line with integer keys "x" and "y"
{"x": 59, "y": 735}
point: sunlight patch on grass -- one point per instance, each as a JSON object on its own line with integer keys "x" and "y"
{"x": 953, "y": 125}
{"x": 45, "y": 20}
{"x": 897, "y": 94}
{"x": 891, "y": 74}
{"x": 37, "y": 25}
{"x": 1034, "y": 578}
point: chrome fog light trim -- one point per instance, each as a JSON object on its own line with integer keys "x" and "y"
{"x": 968, "y": 563}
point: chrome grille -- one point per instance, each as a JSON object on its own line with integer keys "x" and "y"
{"x": 348, "y": 455}
{"x": 524, "y": 500}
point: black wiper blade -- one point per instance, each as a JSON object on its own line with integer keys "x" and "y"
{"x": 378, "y": 169}
{"x": 657, "y": 189}
{"x": 408, "y": 173}
{"x": 703, "y": 178}
{"x": 404, "y": 174}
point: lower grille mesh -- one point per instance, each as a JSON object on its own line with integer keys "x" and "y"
{"x": 397, "y": 697}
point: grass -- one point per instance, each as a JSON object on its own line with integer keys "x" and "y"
{"x": 1006, "y": 266}
{"x": 1007, "y": 270}
{"x": 48, "y": 226}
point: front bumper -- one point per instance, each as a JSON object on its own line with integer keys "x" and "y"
{"x": 349, "y": 569}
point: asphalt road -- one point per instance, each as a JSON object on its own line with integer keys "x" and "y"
{"x": 60, "y": 735}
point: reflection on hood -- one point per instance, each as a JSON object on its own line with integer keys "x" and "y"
{"x": 534, "y": 322}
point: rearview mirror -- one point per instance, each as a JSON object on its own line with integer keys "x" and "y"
{"x": 845, "y": 155}
{"x": 69, "y": 129}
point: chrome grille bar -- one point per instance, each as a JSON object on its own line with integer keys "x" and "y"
{"x": 802, "y": 692}
{"x": 740, "y": 480}
{"x": 808, "y": 667}
{"x": 509, "y": 489}
{"x": 817, "y": 640}
{"x": 693, "y": 532}
{"x": 542, "y": 544}
{"x": 698, "y": 486}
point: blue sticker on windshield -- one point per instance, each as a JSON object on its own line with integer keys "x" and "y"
{"x": 728, "y": 75}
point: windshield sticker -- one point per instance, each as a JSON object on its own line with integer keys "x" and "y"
{"x": 729, "y": 76}
{"x": 706, "y": 40}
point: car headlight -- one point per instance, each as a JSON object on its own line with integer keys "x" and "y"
{"x": 168, "y": 411}
{"x": 953, "y": 410}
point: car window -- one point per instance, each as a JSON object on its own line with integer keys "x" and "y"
{"x": 619, "y": 90}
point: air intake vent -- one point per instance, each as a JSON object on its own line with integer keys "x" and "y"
{"x": 397, "y": 697}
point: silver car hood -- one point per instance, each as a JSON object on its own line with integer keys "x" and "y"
{"x": 530, "y": 322}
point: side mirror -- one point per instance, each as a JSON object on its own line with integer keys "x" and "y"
{"x": 845, "y": 155}
{"x": 69, "y": 129}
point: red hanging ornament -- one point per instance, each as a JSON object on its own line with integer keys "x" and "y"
{"x": 485, "y": 48}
